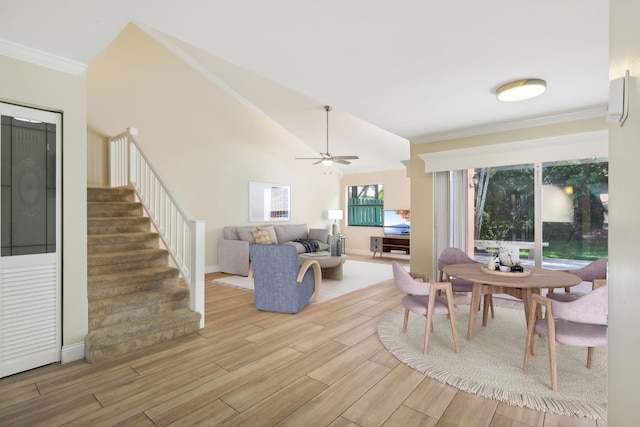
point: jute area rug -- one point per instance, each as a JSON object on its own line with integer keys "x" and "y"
{"x": 355, "y": 275}
{"x": 491, "y": 365}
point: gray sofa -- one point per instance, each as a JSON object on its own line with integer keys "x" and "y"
{"x": 233, "y": 247}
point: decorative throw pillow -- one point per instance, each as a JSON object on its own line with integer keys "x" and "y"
{"x": 270, "y": 231}
{"x": 261, "y": 237}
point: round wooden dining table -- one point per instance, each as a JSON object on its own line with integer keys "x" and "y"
{"x": 518, "y": 285}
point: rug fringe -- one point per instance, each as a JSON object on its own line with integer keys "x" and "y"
{"x": 543, "y": 404}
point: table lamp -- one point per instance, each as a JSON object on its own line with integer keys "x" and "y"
{"x": 335, "y": 215}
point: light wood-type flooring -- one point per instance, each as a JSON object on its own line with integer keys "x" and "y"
{"x": 324, "y": 366}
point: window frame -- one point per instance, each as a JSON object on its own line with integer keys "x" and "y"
{"x": 368, "y": 214}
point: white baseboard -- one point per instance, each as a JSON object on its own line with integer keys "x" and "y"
{"x": 73, "y": 352}
{"x": 358, "y": 252}
{"x": 211, "y": 269}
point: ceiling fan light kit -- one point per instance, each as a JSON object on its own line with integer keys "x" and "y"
{"x": 520, "y": 90}
{"x": 327, "y": 159}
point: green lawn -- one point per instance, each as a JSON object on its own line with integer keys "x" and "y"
{"x": 584, "y": 250}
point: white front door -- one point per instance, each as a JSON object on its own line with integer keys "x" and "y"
{"x": 30, "y": 258}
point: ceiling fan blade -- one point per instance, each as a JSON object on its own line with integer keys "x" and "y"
{"x": 327, "y": 157}
{"x": 346, "y": 157}
{"x": 319, "y": 161}
{"x": 341, "y": 161}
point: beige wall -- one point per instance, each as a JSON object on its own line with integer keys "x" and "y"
{"x": 33, "y": 86}
{"x": 97, "y": 159}
{"x": 397, "y": 190}
{"x": 624, "y": 229}
{"x": 422, "y": 221}
{"x": 423, "y": 254}
{"x": 207, "y": 144}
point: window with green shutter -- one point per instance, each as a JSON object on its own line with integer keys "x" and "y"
{"x": 366, "y": 205}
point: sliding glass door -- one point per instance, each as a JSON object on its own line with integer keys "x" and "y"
{"x": 504, "y": 204}
{"x": 555, "y": 212}
{"x": 575, "y": 210}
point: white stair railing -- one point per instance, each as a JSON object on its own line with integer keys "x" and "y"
{"x": 183, "y": 236}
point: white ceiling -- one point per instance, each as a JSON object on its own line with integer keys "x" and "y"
{"x": 393, "y": 70}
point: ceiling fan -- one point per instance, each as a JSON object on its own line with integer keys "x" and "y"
{"x": 327, "y": 159}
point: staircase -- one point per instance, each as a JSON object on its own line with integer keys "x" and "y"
{"x": 135, "y": 298}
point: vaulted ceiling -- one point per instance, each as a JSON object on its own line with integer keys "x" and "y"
{"x": 394, "y": 71}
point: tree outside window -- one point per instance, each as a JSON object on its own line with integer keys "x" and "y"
{"x": 574, "y": 206}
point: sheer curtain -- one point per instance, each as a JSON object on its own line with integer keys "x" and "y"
{"x": 451, "y": 210}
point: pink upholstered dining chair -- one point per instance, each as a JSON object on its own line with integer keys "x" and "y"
{"x": 421, "y": 299}
{"x": 580, "y": 323}
{"x": 597, "y": 270}
{"x": 451, "y": 256}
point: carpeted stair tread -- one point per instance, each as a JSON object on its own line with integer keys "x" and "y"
{"x": 114, "y": 238}
{"x": 125, "y": 257}
{"x": 103, "y": 306}
{"x": 121, "y": 242}
{"x": 127, "y": 282}
{"x": 133, "y": 219}
{"x": 135, "y": 299}
{"x": 113, "y": 209}
{"x": 119, "y": 263}
{"x": 105, "y": 312}
{"x": 155, "y": 322}
{"x": 110, "y": 194}
{"x": 111, "y": 225}
{"x": 128, "y": 277}
{"x": 124, "y": 338}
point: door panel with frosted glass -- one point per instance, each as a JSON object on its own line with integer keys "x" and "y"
{"x": 30, "y": 255}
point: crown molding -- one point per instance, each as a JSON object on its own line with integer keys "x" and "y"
{"x": 39, "y": 57}
{"x": 598, "y": 111}
{"x": 585, "y": 145}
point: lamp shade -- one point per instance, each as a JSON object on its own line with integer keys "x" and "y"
{"x": 521, "y": 90}
{"x": 335, "y": 214}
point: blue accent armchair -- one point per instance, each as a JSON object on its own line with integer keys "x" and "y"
{"x": 281, "y": 282}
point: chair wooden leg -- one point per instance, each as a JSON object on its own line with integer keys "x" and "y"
{"x": 406, "y": 321}
{"x": 429, "y": 325}
{"x": 589, "y": 357}
{"x": 529, "y": 348}
{"x": 493, "y": 313}
{"x": 551, "y": 337}
{"x": 452, "y": 320}
{"x": 427, "y": 331}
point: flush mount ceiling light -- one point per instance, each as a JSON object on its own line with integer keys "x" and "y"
{"x": 521, "y": 90}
